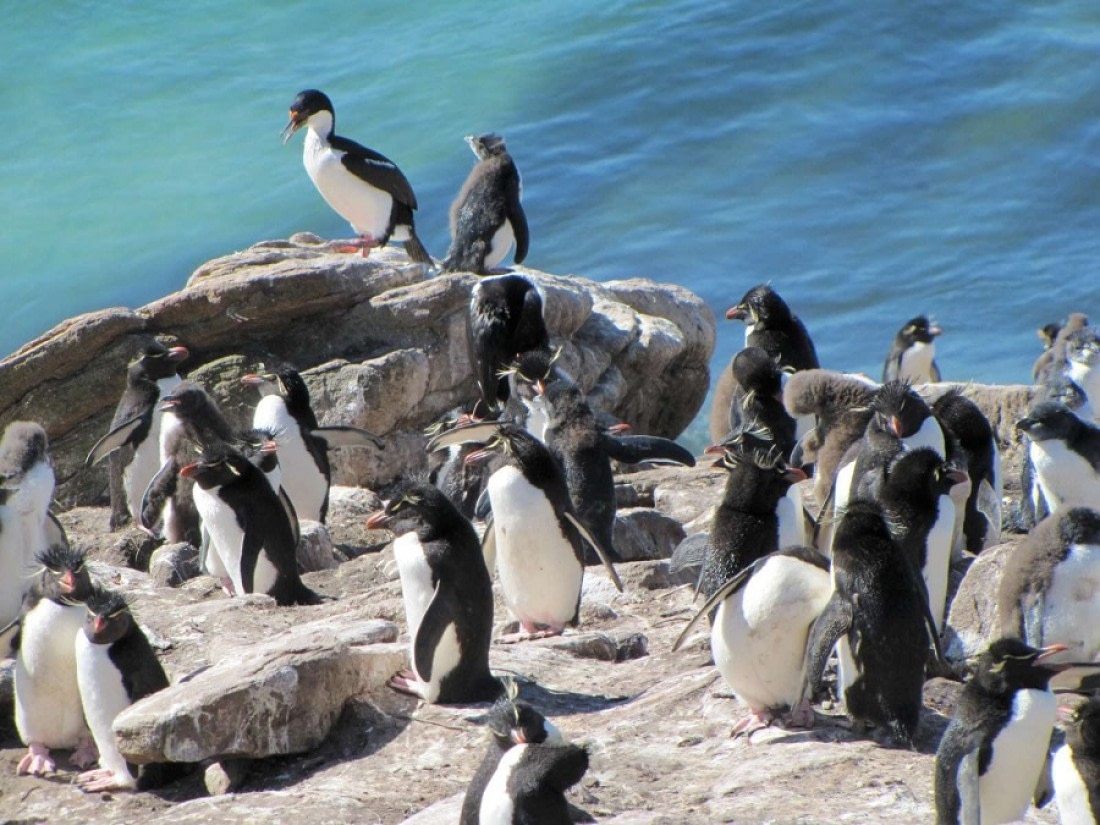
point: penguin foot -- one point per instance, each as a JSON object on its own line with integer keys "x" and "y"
{"x": 227, "y": 586}
{"x": 529, "y": 631}
{"x": 85, "y": 754}
{"x": 36, "y": 762}
{"x": 801, "y": 716}
{"x": 405, "y": 681}
{"x": 104, "y": 779}
{"x": 363, "y": 245}
{"x": 757, "y": 720}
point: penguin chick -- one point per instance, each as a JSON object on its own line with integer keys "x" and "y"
{"x": 1076, "y": 766}
{"x": 448, "y": 597}
{"x": 115, "y": 667}
{"x": 133, "y": 442}
{"x": 912, "y": 356}
{"x": 364, "y": 187}
{"x": 1065, "y": 455}
{"x": 48, "y": 712}
{"x": 774, "y": 328}
{"x": 1053, "y": 358}
{"x": 1083, "y": 363}
{"x": 487, "y": 217}
{"x": 991, "y": 757}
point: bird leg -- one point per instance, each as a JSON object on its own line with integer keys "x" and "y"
{"x": 105, "y": 779}
{"x": 363, "y": 245}
{"x": 227, "y": 586}
{"x": 86, "y": 753}
{"x": 801, "y": 716}
{"x": 757, "y": 720}
{"x": 37, "y": 761}
{"x": 405, "y": 681}
{"x": 531, "y": 630}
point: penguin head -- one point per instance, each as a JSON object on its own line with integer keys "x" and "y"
{"x": 510, "y": 441}
{"x": 218, "y": 468}
{"x": 753, "y": 459}
{"x": 1047, "y": 333}
{"x": 531, "y": 371}
{"x": 486, "y": 146}
{"x": 760, "y": 305}
{"x": 108, "y": 616}
{"x": 65, "y": 577}
{"x": 1009, "y": 664}
{"x": 1079, "y": 525}
{"x": 898, "y": 409}
{"x": 157, "y": 361}
{"x": 758, "y": 373}
{"x": 1082, "y": 727}
{"x": 920, "y": 473}
{"x": 919, "y": 330}
{"x": 1057, "y": 386}
{"x": 310, "y": 108}
{"x": 514, "y": 722}
{"x": 413, "y": 507}
{"x": 187, "y": 402}
{"x": 261, "y": 447}
{"x": 1083, "y": 347}
{"x": 1049, "y": 421}
{"x": 23, "y": 446}
{"x": 568, "y": 405}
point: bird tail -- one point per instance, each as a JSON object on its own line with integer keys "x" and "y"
{"x": 416, "y": 249}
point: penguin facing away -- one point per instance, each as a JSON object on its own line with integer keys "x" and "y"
{"x": 1076, "y": 766}
{"x": 448, "y": 597}
{"x": 1065, "y": 455}
{"x": 364, "y": 187}
{"x": 991, "y": 757}
{"x": 912, "y": 358}
{"x": 487, "y": 217}
{"x": 133, "y": 442}
{"x": 116, "y": 666}
{"x": 774, "y": 328}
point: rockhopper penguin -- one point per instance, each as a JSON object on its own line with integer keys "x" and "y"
{"x": 1076, "y": 766}
{"x": 912, "y": 358}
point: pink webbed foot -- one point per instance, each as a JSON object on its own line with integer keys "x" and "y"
{"x": 104, "y": 779}
{"x": 363, "y": 245}
{"x": 227, "y": 586}
{"x": 36, "y": 762}
{"x": 801, "y": 716}
{"x": 757, "y": 720}
{"x": 531, "y": 630}
{"x": 85, "y": 754}
{"x": 405, "y": 681}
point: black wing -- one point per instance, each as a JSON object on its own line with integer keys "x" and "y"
{"x": 291, "y": 515}
{"x": 835, "y": 620}
{"x": 159, "y": 490}
{"x": 957, "y": 765}
{"x": 719, "y": 596}
{"x": 518, "y": 219}
{"x": 119, "y": 436}
{"x": 374, "y": 168}
{"x": 630, "y": 449}
{"x": 431, "y": 630}
{"x": 347, "y": 437}
{"x": 689, "y": 553}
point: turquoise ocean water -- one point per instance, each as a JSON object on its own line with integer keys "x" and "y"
{"x": 873, "y": 161}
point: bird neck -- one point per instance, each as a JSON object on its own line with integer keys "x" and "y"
{"x": 321, "y": 126}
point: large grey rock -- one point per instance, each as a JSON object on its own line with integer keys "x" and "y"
{"x": 315, "y": 550}
{"x": 380, "y": 343}
{"x": 642, "y": 533}
{"x": 173, "y": 564}
{"x": 973, "y": 621}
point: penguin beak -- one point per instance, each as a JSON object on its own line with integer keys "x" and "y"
{"x": 540, "y": 388}
{"x": 895, "y": 426}
{"x": 98, "y": 625}
{"x": 269, "y": 445}
{"x": 378, "y": 520}
{"x": 68, "y": 582}
{"x": 714, "y": 449}
{"x": 292, "y": 126}
{"x": 179, "y": 354}
{"x": 476, "y": 457}
{"x": 251, "y": 379}
{"x": 1025, "y": 424}
{"x": 934, "y": 331}
{"x": 516, "y": 735}
{"x": 189, "y": 471}
{"x": 618, "y": 429}
{"x": 957, "y": 477}
{"x": 1047, "y": 652}
{"x": 168, "y": 403}
{"x": 1066, "y": 715}
{"x": 794, "y": 475}
{"x": 737, "y": 313}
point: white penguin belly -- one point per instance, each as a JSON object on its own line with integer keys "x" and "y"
{"x": 842, "y": 491}
{"x": 501, "y": 242}
{"x": 1086, "y": 375}
{"x": 792, "y": 522}
{"x": 416, "y": 580}
{"x": 497, "y": 807}
{"x": 367, "y": 209}
{"x": 104, "y": 697}
{"x": 539, "y": 573}
{"x": 937, "y": 559}
{"x": 13, "y": 570}
{"x": 1064, "y": 476}
{"x": 302, "y": 479}
{"x": 148, "y": 457}
{"x": 538, "y": 417}
{"x": 1019, "y": 751}
{"x": 916, "y": 363}
{"x": 47, "y": 697}
{"x": 226, "y": 535}
{"x": 759, "y": 633}
{"x": 1070, "y": 790}
{"x": 1071, "y": 605}
{"x": 930, "y": 434}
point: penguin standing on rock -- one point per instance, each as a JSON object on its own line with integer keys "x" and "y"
{"x": 991, "y": 757}
{"x": 1075, "y": 769}
{"x": 133, "y": 442}
{"x": 115, "y": 666}
{"x": 365, "y": 188}
{"x": 487, "y": 217}
{"x": 912, "y": 358}
{"x": 1065, "y": 456}
{"x": 448, "y": 597}
{"x": 774, "y": 328}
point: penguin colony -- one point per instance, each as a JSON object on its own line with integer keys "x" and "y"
{"x": 906, "y": 478}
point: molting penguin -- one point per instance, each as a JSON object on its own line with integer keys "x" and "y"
{"x": 505, "y": 319}
{"x": 1083, "y": 363}
{"x": 537, "y": 534}
{"x": 991, "y": 757}
{"x": 250, "y": 529}
{"x": 1076, "y": 765}
{"x": 1053, "y": 336}
{"x": 524, "y": 775}
{"x": 487, "y": 217}
{"x": 133, "y": 442}
{"x": 759, "y": 634}
{"x": 284, "y": 409}
{"x": 774, "y": 328}
{"x": 1064, "y": 454}
{"x": 758, "y": 398}
{"x": 48, "y": 713}
{"x": 912, "y": 358}
{"x": 448, "y": 597}
{"x": 365, "y": 188}
{"x": 115, "y": 666}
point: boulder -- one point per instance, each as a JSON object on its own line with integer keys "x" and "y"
{"x": 173, "y": 564}
{"x": 642, "y": 533}
{"x": 315, "y": 550}
{"x": 973, "y": 621}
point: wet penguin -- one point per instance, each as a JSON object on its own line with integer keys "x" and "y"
{"x": 526, "y": 772}
{"x": 759, "y": 398}
{"x": 48, "y": 713}
{"x": 537, "y": 535}
{"x": 774, "y": 328}
{"x": 1083, "y": 363}
{"x": 912, "y": 358}
{"x": 1048, "y": 592}
{"x": 365, "y": 188}
{"x": 505, "y": 319}
{"x": 448, "y": 597}
{"x": 487, "y": 217}
{"x": 285, "y": 410}
{"x": 133, "y": 442}
{"x": 758, "y": 637}
{"x": 115, "y": 666}
{"x": 1064, "y": 452}
{"x": 250, "y": 529}
{"x": 1076, "y": 766}
{"x": 992, "y": 754}
{"x": 878, "y": 618}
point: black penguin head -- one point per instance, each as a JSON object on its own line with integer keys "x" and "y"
{"x": 1047, "y": 333}
{"x": 1049, "y": 421}
{"x": 306, "y": 105}
{"x": 758, "y": 373}
{"x": 1083, "y": 346}
{"x": 1082, "y": 727}
{"x": 218, "y": 468}
{"x": 157, "y": 361}
{"x": 919, "y": 330}
{"x": 531, "y": 371}
{"x": 898, "y": 409}
{"x": 514, "y": 722}
{"x": 108, "y": 616}
{"x": 1059, "y": 387}
{"x": 760, "y": 305}
{"x": 261, "y": 447}
{"x": 512, "y": 442}
{"x": 413, "y": 507}
{"x": 486, "y": 146}
{"x": 188, "y": 402}
{"x": 920, "y": 473}
{"x": 23, "y": 446}
{"x": 757, "y": 469}
{"x": 65, "y": 577}
{"x": 1009, "y": 665}
{"x": 1079, "y": 525}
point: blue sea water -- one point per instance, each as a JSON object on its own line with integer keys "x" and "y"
{"x": 873, "y": 161}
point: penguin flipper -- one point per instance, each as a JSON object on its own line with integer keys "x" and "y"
{"x": 719, "y": 596}
{"x": 518, "y": 219}
{"x": 691, "y": 552}
{"x": 1044, "y": 785}
{"x": 483, "y": 509}
{"x": 835, "y": 620}
{"x": 989, "y": 505}
{"x": 563, "y": 766}
{"x": 55, "y": 531}
{"x": 489, "y": 545}
{"x": 432, "y": 627}
{"x": 934, "y": 373}
{"x": 117, "y": 437}
{"x": 347, "y": 437}
{"x": 600, "y": 551}
{"x": 291, "y": 515}
{"x": 160, "y": 488}
{"x": 471, "y": 434}
{"x": 956, "y": 776}
{"x": 630, "y": 449}
{"x": 9, "y": 637}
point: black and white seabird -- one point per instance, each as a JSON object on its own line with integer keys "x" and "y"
{"x": 1065, "y": 455}
{"x": 1075, "y": 769}
{"x": 912, "y": 358}
{"x": 774, "y": 328}
{"x": 365, "y": 187}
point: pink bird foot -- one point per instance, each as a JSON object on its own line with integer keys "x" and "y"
{"x": 104, "y": 779}
{"x": 405, "y": 681}
{"x": 531, "y": 630}
{"x": 363, "y": 245}
{"x": 85, "y": 754}
{"x": 801, "y": 716}
{"x": 227, "y": 586}
{"x": 757, "y": 720}
{"x": 36, "y": 762}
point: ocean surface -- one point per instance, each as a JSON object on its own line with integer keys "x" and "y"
{"x": 872, "y": 161}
